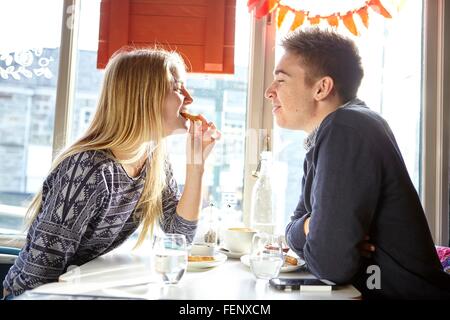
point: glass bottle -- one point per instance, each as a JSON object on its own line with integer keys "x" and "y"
{"x": 262, "y": 217}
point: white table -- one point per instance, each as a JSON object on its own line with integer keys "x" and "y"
{"x": 126, "y": 275}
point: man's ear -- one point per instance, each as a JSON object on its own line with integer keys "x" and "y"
{"x": 324, "y": 88}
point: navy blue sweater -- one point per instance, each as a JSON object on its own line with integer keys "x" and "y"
{"x": 355, "y": 183}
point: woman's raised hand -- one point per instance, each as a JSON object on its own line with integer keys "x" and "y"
{"x": 201, "y": 140}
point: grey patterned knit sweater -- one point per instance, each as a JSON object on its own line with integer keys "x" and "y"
{"x": 88, "y": 209}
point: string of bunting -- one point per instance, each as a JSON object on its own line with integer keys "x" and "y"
{"x": 301, "y": 16}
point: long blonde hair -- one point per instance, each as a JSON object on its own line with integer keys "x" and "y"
{"x": 129, "y": 114}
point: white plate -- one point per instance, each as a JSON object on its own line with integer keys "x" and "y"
{"x": 231, "y": 254}
{"x": 245, "y": 259}
{"x": 219, "y": 258}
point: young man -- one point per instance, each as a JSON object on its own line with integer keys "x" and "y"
{"x": 355, "y": 185}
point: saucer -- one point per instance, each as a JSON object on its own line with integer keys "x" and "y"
{"x": 245, "y": 259}
{"x": 231, "y": 254}
{"x": 219, "y": 258}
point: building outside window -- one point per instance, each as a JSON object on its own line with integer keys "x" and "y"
{"x": 29, "y": 54}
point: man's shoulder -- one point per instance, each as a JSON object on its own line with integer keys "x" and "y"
{"x": 356, "y": 124}
{"x": 357, "y": 117}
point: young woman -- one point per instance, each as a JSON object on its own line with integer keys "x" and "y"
{"x": 116, "y": 176}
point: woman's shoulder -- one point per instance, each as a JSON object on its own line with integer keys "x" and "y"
{"x": 90, "y": 164}
{"x": 86, "y": 159}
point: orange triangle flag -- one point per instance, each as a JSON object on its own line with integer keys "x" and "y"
{"x": 378, "y": 7}
{"x": 333, "y": 20}
{"x": 273, "y": 4}
{"x": 364, "y": 16}
{"x": 314, "y": 20}
{"x": 281, "y": 15}
{"x": 267, "y": 7}
{"x": 298, "y": 20}
{"x": 251, "y": 4}
{"x": 262, "y": 10}
{"x": 349, "y": 23}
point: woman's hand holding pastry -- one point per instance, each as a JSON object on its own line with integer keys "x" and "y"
{"x": 201, "y": 140}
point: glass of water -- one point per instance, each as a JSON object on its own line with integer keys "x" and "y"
{"x": 266, "y": 257}
{"x": 170, "y": 257}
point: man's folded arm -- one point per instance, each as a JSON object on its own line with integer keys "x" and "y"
{"x": 295, "y": 238}
{"x": 344, "y": 197}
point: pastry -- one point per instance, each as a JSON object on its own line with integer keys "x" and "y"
{"x": 290, "y": 260}
{"x": 200, "y": 258}
{"x": 192, "y": 117}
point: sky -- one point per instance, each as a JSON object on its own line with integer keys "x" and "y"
{"x": 22, "y": 25}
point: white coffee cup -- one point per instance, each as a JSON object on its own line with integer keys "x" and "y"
{"x": 238, "y": 239}
{"x": 202, "y": 249}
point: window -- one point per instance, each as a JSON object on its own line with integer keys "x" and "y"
{"x": 29, "y": 59}
{"x": 220, "y": 98}
{"x": 88, "y": 77}
{"x": 391, "y": 52}
{"x": 28, "y": 107}
{"x": 28, "y": 74}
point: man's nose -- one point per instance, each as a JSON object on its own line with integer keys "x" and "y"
{"x": 269, "y": 94}
{"x": 187, "y": 97}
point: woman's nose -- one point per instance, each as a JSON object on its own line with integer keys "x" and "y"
{"x": 187, "y": 97}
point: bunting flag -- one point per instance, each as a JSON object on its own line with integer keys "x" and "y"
{"x": 265, "y": 7}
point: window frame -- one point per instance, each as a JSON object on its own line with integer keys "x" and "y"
{"x": 435, "y": 121}
{"x": 259, "y": 110}
{"x": 65, "y": 87}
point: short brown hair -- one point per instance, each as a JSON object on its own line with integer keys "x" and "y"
{"x": 327, "y": 53}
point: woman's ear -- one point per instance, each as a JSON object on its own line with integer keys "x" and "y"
{"x": 324, "y": 87}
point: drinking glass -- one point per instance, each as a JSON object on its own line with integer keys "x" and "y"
{"x": 170, "y": 257}
{"x": 266, "y": 257}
